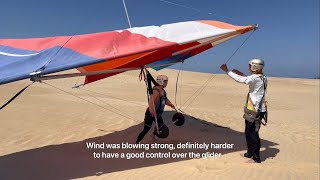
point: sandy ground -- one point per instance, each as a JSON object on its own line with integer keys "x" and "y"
{"x": 44, "y": 131}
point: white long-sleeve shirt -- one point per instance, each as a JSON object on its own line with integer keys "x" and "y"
{"x": 256, "y": 88}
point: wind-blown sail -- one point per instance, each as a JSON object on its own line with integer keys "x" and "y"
{"x": 157, "y": 46}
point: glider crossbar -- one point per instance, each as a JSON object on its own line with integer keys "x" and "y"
{"x": 69, "y": 75}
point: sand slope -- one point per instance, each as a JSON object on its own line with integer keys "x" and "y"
{"x": 44, "y": 131}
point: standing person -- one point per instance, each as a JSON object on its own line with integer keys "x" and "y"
{"x": 255, "y": 108}
{"x": 160, "y": 99}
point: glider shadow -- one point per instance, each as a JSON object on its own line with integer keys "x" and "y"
{"x": 74, "y": 160}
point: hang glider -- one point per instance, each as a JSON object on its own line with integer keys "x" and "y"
{"x": 101, "y": 55}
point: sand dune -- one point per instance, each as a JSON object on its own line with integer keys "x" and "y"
{"x": 44, "y": 131}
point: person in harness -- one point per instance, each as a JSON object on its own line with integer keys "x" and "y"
{"x": 159, "y": 101}
{"x": 255, "y": 108}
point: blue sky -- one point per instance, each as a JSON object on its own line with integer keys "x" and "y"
{"x": 288, "y": 37}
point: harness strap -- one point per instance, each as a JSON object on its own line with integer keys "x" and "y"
{"x": 265, "y": 117}
{"x": 159, "y": 107}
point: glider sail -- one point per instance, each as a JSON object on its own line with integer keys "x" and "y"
{"x": 151, "y": 46}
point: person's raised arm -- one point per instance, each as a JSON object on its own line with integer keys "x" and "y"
{"x": 236, "y": 77}
{"x": 238, "y": 72}
{"x": 241, "y": 79}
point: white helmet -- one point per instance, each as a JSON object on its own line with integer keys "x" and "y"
{"x": 161, "y": 79}
{"x": 256, "y": 65}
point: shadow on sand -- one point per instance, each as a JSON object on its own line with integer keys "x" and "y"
{"x": 74, "y": 160}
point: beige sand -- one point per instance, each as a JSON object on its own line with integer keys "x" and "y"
{"x": 44, "y": 131}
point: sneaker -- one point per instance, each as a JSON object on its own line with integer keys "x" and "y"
{"x": 257, "y": 160}
{"x": 247, "y": 155}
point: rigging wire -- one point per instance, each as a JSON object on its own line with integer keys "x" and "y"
{"x": 129, "y": 22}
{"x": 38, "y": 71}
{"x": 199, "y": 91}
{"x": 110, "y": 106}
{"x": 181, "y": 84}
{"x": 90, "y": 101}
{"x": 125, "y": 8}
{"x": 191, "y": 99}
{"x": 113, "y": 97}
{"x": 199, "y": 10}
{"x": 177, "y": 82}
{"x": 180, "y": 5}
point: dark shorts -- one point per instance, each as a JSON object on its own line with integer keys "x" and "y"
{"x": 149, "y": 119}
